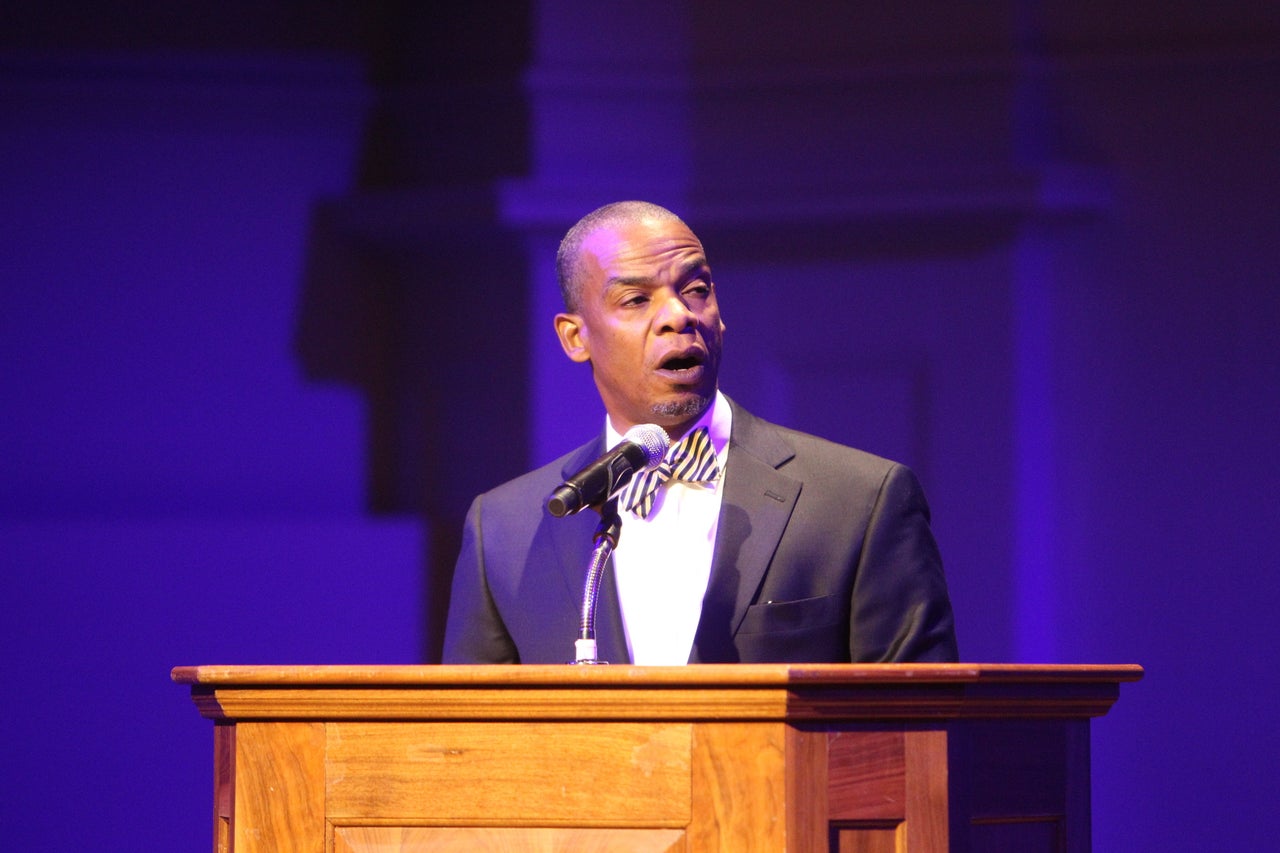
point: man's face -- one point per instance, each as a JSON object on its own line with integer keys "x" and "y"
{"x": 648, "y": 323}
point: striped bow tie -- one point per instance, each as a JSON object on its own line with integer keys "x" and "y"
{"x": 691, "y": 459}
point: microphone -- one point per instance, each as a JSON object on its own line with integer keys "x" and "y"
{"x": 641, "y": 448}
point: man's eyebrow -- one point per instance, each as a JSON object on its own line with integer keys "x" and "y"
{"x": 694, "y": 268}
{"x": 629, "y": 281}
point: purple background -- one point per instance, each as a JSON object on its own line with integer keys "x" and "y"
{"x": 276, "y": 294}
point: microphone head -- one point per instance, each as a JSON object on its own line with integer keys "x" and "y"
{"x": 653, "y": 439}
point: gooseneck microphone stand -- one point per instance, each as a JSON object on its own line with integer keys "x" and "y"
{"x": 606, "y": 539}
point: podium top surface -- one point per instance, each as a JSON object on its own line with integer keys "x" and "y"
{"x": 745, "y": 675}
{"x": 790, "y": 692}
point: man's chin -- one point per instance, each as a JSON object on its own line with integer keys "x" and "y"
{"x": 683, "y": 408}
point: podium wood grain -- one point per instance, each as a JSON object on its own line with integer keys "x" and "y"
{"x": 852, "y": 759}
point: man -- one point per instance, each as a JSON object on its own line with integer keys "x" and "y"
{"x": 790, "y": 548}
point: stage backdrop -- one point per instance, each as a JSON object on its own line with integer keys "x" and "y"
{"x": 276, "y": 296}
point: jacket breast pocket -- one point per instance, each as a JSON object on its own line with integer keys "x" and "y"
{"x": 805, "y": 614}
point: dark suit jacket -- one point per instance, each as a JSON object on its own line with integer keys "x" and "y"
{"x": 823, "y": 554}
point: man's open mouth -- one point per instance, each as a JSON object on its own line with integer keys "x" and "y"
{"x": 684, "y": 368}
{"x": 682, "y": 362}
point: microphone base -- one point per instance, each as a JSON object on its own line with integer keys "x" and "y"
{"x": 585, "y": 651}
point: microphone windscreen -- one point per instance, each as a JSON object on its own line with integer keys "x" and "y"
{"x": 653, "y": 439}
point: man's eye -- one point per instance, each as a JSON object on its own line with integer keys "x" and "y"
{"x": 700, "y": 288}
{"x": 638, "y": 299}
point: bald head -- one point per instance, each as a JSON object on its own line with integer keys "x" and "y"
{"x": 569, "y": 269}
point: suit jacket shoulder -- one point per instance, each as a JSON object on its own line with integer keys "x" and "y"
{"x": 517, "y": 583}
{"x": 824, "y": 554}
{"x": 806, "y": 456}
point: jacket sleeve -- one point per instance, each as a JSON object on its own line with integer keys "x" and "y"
{"x": 901, "y": 611}
{"x": 474, "y": 631}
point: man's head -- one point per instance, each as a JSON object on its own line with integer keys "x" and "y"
{"x": 641, "y": 309}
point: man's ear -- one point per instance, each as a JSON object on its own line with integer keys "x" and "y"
{"x": 572, "y": 333}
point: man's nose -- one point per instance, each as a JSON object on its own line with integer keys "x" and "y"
{"x": 676, "y": 314}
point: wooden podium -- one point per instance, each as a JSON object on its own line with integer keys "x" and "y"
{"x": 732, "y": 758}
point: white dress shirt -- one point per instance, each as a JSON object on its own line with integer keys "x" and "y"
{"x": 663, "y": 562}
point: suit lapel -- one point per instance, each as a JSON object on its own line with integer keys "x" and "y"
{"x": 757, "y": 505}
{"x": 758, "y": 501}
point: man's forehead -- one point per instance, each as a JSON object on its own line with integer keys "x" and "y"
{"x": 643, "y": 243}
